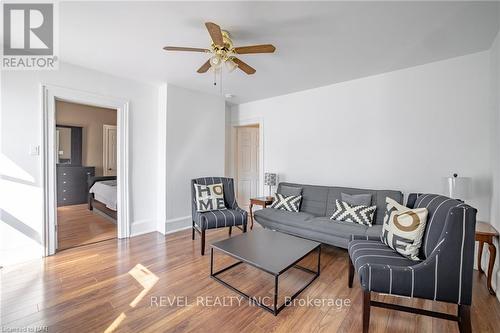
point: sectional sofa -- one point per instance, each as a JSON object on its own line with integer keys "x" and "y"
{"x": 318, "y": 203}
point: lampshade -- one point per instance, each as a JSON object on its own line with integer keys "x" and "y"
{"x": 457, "y": 187}
{"x": 270, "y": 179}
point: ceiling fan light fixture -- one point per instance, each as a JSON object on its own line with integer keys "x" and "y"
{"x": 231, "y": 65}
{"x": 215, "y": 62}
{"x": 222, "y": 51}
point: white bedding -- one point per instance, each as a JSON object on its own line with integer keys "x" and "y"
{"x": 105, "y": 192}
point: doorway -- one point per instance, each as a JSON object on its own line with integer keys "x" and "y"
{"x": 85, "y": 174}
{"x": 247, "y": 164}
{"x": 51, "y": 95}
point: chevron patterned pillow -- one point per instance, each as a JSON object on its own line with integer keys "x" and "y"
{"x": 289, "y": 203}
{"x": 357, "y": 214}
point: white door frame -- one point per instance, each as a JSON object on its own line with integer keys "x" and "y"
{"x": 105, "y": 148}
{"x": 247, "y": 122}
{"x": 49, "y": 95}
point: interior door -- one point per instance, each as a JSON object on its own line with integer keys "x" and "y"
{"x": 109, "y": 150}
{"x": 247, "y": 168}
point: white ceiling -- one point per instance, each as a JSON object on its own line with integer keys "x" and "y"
{"x": 317, "y": 43}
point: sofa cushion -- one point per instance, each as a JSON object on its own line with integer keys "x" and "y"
{"x": 374, "y": 231}
{"x": 320, "y": 200}
{"x": 221, "y": 218}
{"x": 357, "y": 199}
{"x": 309, "y": 222}
{"x": 378, "y": 199}
{"x": 290, "y": 190}
{"x": 338, "y": 228}
{"x": 314, "y": 198}
{"x": 378, "y": 266}
{"x": 282, "y": 216}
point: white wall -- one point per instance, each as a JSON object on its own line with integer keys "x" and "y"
{"x": 495, "y": 137}
{"x": 495, "y": 152}
{"x": 195, "y": 145}
{"x": 21, "y": 200}
{"x": 401, "y": 130}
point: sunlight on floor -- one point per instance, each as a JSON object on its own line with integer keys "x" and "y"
{"x": 115, "y": 323}
{"x": 147, "y": 279}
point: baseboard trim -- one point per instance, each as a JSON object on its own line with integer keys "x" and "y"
{"x": 177, "y": 219}
{"x": 142, "y": 227}
{"x": 177, "y": 230}
{"x": 178, "y": 223}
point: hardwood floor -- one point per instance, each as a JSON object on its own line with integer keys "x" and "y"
{"x": 153, "y": 283}
{"x": 76, "y": 226}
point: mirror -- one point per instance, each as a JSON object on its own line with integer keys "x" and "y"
{"x": 63, "y": 139}
{"x": 69, "y": 144}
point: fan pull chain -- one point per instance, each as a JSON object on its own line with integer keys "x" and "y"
{"x": 220, "y": 86}
{"x": 215, "y": 79}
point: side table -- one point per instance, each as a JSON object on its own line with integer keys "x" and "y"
{"x": 260, "y": 201}
{"x": 485, "y": 234}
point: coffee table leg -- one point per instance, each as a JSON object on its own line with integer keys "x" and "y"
{"x": 212, "y": 261}
{"x": 319, "y": 260}
{"x": 276, "y": 294}
{"x": 251, "y": 216}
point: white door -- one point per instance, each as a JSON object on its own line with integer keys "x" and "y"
{"x": 109, "y": 150}
{"x": 247, "y": 164}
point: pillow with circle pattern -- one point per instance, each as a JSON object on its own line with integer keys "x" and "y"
{"x": 403, "y": 228}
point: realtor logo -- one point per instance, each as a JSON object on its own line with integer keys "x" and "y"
{"x": 28, "y": 39}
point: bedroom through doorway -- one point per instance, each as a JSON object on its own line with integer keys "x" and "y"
{"x": 86, "y": 170}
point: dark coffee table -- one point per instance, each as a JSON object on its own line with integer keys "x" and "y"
{"x": 270, "y": 251}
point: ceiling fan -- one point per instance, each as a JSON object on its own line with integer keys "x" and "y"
{"x": 223, "y": 51}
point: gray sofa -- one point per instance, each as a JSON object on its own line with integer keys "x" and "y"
{"x": 313, "y": 220}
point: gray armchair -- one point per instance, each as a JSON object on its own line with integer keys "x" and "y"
{"x": 232, "y": 216}
{"x": 444, "y": 274}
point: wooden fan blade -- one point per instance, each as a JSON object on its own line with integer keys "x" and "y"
{"x": 264, "y": 48}
{"x": 215, "y": 33}
{"x": 204, "y": 68}
{"x": 244, "y": 67}
{"x": 189, "y": 49}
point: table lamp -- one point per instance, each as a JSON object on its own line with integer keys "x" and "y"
{"x": 457, "y": 187}
{"x": 270, "y": 179}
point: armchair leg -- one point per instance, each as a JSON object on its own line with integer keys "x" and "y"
{"x": 244, "y": 228}
{"x": 464, "y": 323}
{"x": 366, "y": 311}
{"x": 230, "y": 230}
{"x": 351, "y": 272}
{"x": 203, "y": 242}
{"x": 193, "y": 230}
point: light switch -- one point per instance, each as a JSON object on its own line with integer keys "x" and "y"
{"x": 34, "y": 150}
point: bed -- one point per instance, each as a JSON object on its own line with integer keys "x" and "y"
{"x": 103, "y": 195}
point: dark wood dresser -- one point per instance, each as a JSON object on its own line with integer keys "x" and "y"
{"x": 72, "y": 184}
